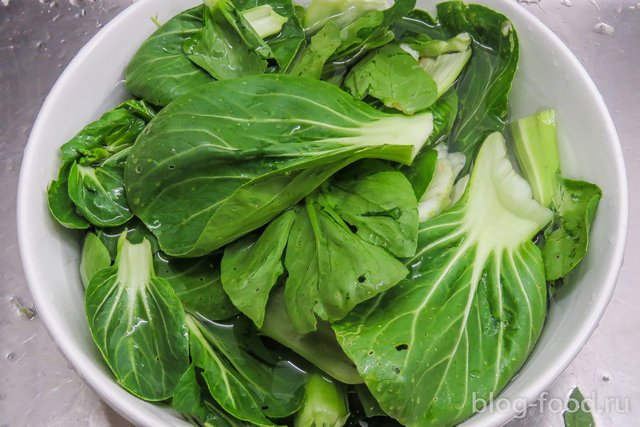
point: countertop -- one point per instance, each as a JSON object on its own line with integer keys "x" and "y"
{"x": 37, "y": 40}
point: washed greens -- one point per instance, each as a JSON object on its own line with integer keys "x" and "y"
{"x": 309, "y": 215}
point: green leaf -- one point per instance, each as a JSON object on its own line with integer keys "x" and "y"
{"x": 567, "y": 239}
{"x": 464, "y": 322}
{"x": 252, "y": 265}
{"x": 249, "y": 386}
{"x": 196, "y": 281}
{"x": 236, "y": 19}
{"x": 393, "y": 76}
{"x": 140, "y": 108}
{"x": 289, "y": 40}
{"x": 378, "y": 202}
{"x": 331, "y": 270}
{"x": 135, "y": 232}
{"x": 137, "y": 322}
{"x": 485, "y": 85}
{"x": 371, "y": 30}
{"x": 159, "y": 72}
{"x": 114, "y": 131}
{"x": 188, "y": 397}
{"x": 95, "y": 257}
{"x": 221, "y": 46}
{"x": 239, "y": 152}
{"x": 99, "y": 193}
{"x": 313, "y": 57}
{"x": 61, "y": 207}
{"x": 363, "y": 34}
{"x": 191, "y": 398}
{"x": 578, "y": 412}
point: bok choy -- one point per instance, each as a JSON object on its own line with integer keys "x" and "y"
{"x": 239, "y": 152}
{"x": 308, "y": 216}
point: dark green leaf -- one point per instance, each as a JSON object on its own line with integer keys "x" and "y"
{"x": 192, "y": 398}
{"x": 313, "y": 57}
{"x": 250, "y": 386}
{"x": 365, "y": 33}
{"x": 397, "y": 11}
{"x": 113, "y": 132}
{"x": 160, "y": 71}
{"x": 393, "y": 76}
{"x": 138, "y": 323}
{"x": 197, "y": 283}
{"x": 99, "y": 193}
{"x": 188, "y": 396}
{"x": 61, "y": 206}
{"x": 486, "y": 82}
{"x": 69, "y": 202}
{"x": 378, "y": 202}
{"x": 331, "y": 270}
{"x": 228, "y": 158}
{"x": 220, "y": 49}
{"x": 252, "y": 265}
{"x": 337, "y": 247}
{"x": 286, "y": 43}
{"x": 578, "y": 412}
{"x": 567, "y": 239}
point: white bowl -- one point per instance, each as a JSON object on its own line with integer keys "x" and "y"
{"x": 549, "y": 76}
